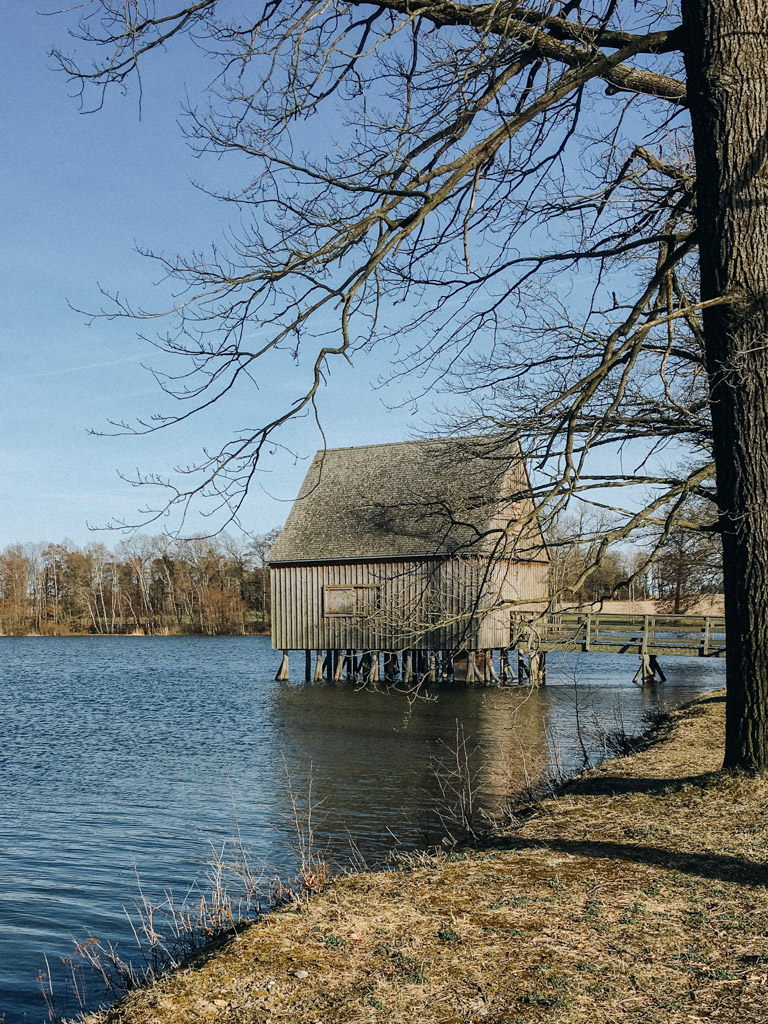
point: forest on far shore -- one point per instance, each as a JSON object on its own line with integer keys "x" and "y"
{"x": 220, "y": 585}
{"x": 154, "y": 585}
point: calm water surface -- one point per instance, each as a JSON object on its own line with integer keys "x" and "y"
{"x": 122, "y": 755}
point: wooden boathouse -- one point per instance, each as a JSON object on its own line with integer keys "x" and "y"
{"x": 406, "y": 560}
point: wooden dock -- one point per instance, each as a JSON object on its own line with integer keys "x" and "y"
{"x": 691, "y": 636}
{"x": 648, "y": 637}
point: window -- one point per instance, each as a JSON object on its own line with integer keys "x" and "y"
{"x": 358, "y": 600}
{"x": 339, "y": 600}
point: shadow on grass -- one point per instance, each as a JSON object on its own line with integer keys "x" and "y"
{"x": 613, "y": 785}
{"x": 706, "y": 865}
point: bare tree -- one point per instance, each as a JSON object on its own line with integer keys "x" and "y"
{"x": 579, "y": 572}
{"x": 690, "y": 562}
{"x": 681, "y": 568}
{"x": 558, "y": 209}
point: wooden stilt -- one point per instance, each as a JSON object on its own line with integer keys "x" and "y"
{"x": 423, "y": 665}
{"x": 459, "y": 672}
{"x": 523, "y": 674}
{"x": 432, "y": 667}
{"x": 307, "y": 666}
{"x": 373, "y": 672}
{"x": 644, "y": 674}
{"x": 473, "y": 676}
{"x": 407, "y": 666}
{"x": 416, "y": 666}
{"x": 649, "y": 676}
{"x": 349, "y": 664}
{"x": 368, "y": 666}
{"x": 649, "y": 671}
{"x": 338, "y": 667}
{"x": 492, "y": 673}
{"x": 537, "y": 668}
{"x": 318, "y": 674}
{"x": 282, "y": 672}
{"x": 391, "y": 666}
{"x": 505, "y": 668}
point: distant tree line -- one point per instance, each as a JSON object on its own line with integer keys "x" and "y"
{"x": 220, "y": 585}
{"x": 144, "y": 585}
{"x": 685, "y": 567}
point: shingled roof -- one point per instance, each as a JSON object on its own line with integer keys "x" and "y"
{"x": 414, "y": 499}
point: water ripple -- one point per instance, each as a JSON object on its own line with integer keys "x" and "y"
{"x": 122, "y": 755}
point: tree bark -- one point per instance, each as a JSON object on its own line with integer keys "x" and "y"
{"x": 726, "y": 56}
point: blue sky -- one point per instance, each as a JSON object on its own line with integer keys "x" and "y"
{"x": 77, "y": 193}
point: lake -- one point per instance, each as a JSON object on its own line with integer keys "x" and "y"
{"x": 132, "y": 755}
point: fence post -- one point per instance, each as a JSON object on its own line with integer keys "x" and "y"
{"x": 705, "y": 647}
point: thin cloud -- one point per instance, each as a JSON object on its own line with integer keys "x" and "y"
{"x": 35, "y": 375}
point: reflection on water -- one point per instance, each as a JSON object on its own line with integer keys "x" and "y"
{"x": 121, "y": 751}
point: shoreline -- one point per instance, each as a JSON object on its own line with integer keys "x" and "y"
{"x": 638, "y": 894}
{"x": 136, "y": 635}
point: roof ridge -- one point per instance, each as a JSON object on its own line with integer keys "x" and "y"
{"x": 412, "y": 440}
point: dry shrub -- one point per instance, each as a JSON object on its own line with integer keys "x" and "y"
{"x": 169, "y": 933}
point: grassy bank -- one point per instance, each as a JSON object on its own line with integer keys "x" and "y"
{"x": 639, "y": 894}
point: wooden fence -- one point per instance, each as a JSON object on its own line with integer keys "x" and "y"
{"x": 695, "y": 636}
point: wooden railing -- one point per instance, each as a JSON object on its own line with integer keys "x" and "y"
{"x": 688, "y": 635}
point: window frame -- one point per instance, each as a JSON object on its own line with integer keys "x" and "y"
{"x": 359, "y": 592}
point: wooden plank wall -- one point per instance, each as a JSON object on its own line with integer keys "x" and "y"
{"x": 462, "y": 603}
{"x": 517, "y": 587}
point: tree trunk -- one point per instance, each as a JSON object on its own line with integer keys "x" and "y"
{"x": 726, "y": 55}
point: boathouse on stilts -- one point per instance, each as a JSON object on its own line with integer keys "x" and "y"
{"x": 409, "y": 562}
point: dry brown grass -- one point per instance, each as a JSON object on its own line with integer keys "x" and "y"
{"x": 639, "y": 894}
